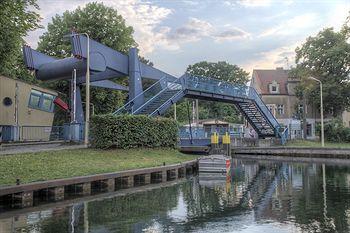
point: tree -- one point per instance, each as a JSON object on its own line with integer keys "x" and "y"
{"x": 223, "y": 71}
{"x": 219, "y": 70}
{"x": 103, "y": 24}
{"x": 15, "y": 22}
{"x": 325, "y": 56}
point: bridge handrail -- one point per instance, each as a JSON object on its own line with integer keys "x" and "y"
{"x": 144, "y": 96}
{"x": 236, "y": 90}
{"x": 166, "y": 102}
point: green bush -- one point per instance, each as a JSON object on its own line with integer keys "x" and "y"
{"x": 335, "y": 131}
{"x": 128, "y": 131}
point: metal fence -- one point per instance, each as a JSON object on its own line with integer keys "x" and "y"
{"x": 206, "y": 132}
{"x": 41, "y": 133}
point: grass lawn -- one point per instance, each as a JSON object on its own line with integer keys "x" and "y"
{"x": 308, "y": 143}
{"x": 42, "y": 166}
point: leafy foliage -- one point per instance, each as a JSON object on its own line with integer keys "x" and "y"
{"x": 219, "y": 70}
{"x": 104, "y": 25}
{"x": 130, "y": 131}
{"x": 326, "y": 57}
{"x": 335, "y": 131}
{"x": 15, "y": 22}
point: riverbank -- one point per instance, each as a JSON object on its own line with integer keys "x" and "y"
{"x": 43, "y": 166}
{"x": 305, "y": 152}
{"x": 317, "y": 144}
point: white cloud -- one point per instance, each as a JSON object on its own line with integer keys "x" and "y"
{"x": 231, "y": 34}
{"x": 195, "y": 30}
{"x": 279, "y": 57}
{"x": 255, "y": 3}
{"x": 292, "y": 26}
{"x": 144, "y": 17}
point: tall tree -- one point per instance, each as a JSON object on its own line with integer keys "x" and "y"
{"x": 104, "y": 25}
{"x": 224, "y": 71}
{"x": 15, "y": 22}
{"x": 326, "y": 56}
{"x": 220, "y": 70}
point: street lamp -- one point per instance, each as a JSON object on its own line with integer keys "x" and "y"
{"x": 322, "y": 129}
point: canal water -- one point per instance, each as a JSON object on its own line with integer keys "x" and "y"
{"x": 258, "y": 196}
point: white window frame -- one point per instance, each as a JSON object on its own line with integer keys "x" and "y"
{"x": 276, "y": 85}
{"x": 280, "y": 107}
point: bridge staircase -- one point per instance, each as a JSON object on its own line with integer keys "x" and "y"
{"x": 156, "y": 99}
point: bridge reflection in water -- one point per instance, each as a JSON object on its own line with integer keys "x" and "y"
{"x": 257, "y": 196}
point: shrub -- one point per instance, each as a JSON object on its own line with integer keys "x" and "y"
{"x": 129, "y": 131}
{"x": 335, "y": 131}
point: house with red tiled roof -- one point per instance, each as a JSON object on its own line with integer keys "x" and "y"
{"x": 277, "y": 90}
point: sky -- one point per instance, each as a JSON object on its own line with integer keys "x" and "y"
{"x": 253, "y": 34}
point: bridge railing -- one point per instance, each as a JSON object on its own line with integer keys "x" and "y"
{"x": 216, "y": 86}
{"x": 145, "y": 96}
{"x": 225, "y": 88}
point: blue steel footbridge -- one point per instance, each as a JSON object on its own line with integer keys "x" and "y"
{"x": 107, "y": 64}
{"x": 155, "y": 100}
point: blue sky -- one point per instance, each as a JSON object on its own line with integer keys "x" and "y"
{"x": 249, "y": 33}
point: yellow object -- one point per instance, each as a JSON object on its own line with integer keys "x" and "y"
{"x": 226, "y": 139}
{"x": 214, "y": 138}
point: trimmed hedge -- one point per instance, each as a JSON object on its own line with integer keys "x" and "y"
{"x": 129, "y": 131}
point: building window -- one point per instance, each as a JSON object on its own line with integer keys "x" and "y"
{"x": 34, "y": 99}
{"x": 272, "y": 109}
{"x": 47, "y": 102}
{"x": 274, "y": 87}
{"x": 300, "y": 108}
{"x": 280, "y": 109}
{"x": 41, "y": 101}
{"x": 308, "y": 130}
{"x": 7, "y": 101}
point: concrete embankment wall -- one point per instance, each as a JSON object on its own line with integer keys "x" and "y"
{"x": 295, "y": 152}
{"x": 20, "y": 196}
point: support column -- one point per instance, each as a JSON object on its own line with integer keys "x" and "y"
{"x": 27, "y": 199}
{"x": 130, "y": 181}
{"x": 176, "y": 173}
{"x": 148, "y": 178}
{"x": 135, "y": 80}
{"x": 164, "y": 176}
{"x": 58, "y": 193}
{"x": 79, "y": 114}
{"x": 86, "y": 189}
{"x": 110, "y": 185}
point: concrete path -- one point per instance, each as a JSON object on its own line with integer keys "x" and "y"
{"x": 19, "y": 148}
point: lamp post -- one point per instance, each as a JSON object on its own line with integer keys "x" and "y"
{"x": 322, "y": 129}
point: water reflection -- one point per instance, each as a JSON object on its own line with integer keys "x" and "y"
{"x": 258, "y": 196}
